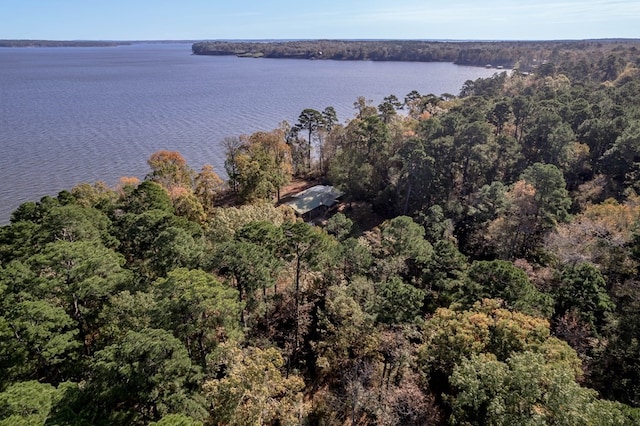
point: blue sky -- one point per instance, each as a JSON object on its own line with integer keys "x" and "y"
{"x": 286, "y": 19}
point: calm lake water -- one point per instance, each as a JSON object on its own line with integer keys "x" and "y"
{"x": 73, "y": 115}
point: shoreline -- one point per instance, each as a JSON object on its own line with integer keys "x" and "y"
{"x": 525, "y": 56}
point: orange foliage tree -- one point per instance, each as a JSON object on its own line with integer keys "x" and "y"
{"x": 208, "y": 186}
{"x": 599, "y": 235}
{"x": 262, "y": 164}
{"x": 170, "y": 169}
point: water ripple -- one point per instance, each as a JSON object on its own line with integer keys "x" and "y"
{"x": 81, "y": 115}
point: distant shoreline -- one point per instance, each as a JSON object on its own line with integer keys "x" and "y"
{"x": 109, "y": 43}
{"x": 521, "y": 55}
{"x": 84, "y": 43}
{"x": 54, "y": 43}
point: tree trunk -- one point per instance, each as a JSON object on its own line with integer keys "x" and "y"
{"x": 406, "y": 201}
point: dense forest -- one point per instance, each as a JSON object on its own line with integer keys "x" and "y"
{"x": 482, "y": 269}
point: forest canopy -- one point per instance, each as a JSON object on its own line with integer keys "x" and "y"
{"x": 481, "y": 268}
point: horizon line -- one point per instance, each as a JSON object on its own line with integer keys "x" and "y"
{"x": 194, "y": 40}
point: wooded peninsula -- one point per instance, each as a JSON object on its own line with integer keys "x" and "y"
{"x": 522, "y": 55}
{"x": 477, "y": 264}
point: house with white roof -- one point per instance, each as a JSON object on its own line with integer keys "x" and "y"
{"x": 315, "y": 202}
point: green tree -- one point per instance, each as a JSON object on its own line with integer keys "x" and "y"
{"x": 622, "y": 160}
{"x": 451, "y": 335}
{"x": 172, "y": 248}
{"x": 411, "y": 99}
{"x": 253, "y": 390}
{"x": 281, "y": 167}
{"x": 418, "y": 178}
{"x": 499, "y": 115}
{"x": 20, "y": 240}
{"x": 80, "y": 276}
{"x": 501, "y": 279}
{"x": 330, "y": 117}
{"x": 443, "y": 278}
{"x": 522, "y": 109}
{"x": 310, "y": 120}
{"x": 398, "y": 302}
{"x": 176, "y": 420}
{"x": 144, "y": 376}
{"x": 616, "y": 372}
{"x": 76, "y": 223}
{"x": 28, "y": 403}
{"x": 348, "y": 351}
{"x": 535, "y": 205}
{"x": 388, "y": 108}
{"x": 599, "y": 133}
{"x": 98, "y": 195}
{"x": 402, "y": 236}
{"x": 475, "y": 152}
{"x": 148, "y": 196}
{"x": 127, "y": 311}
{"x": 551, "y": 195}
{"x": 584, "y": 290}
{"x": 149, "y": 250}
{"x": 40, "y": 342}
{"x": 356, "y": 255}
{"x": 201, "y": 311}
{"x": 349, "y": 334}
{"x": 351, "y": 172}
{"x": 232, "y": 148}
{"x": 34, "y": 212}
{"x": 402, "y": 241}
{"x": 437, "y": 225}
{"x": 527, "y": 389}
{"x": 264, "y": 233}
{"x": 307, "y": 249}
{"x": 547, "y": 138}
{"x": 361, "y": 164}
{"x": 339, "y": 226}
{"x": 326, "y": 130}
{"x": 250, "y": 267}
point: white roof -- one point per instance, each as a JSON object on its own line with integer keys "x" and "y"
{"x": 316, "y": 196}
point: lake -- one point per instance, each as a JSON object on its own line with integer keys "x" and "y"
{"x": 73, "y": 115}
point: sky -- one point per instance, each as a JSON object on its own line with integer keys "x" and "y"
{"x": 326, "y": 19}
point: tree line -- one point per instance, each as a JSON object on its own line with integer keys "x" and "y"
{"x": 585, "y": 59}
{"x": 61, "y": 43}
{"x": 483, "y": 269}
